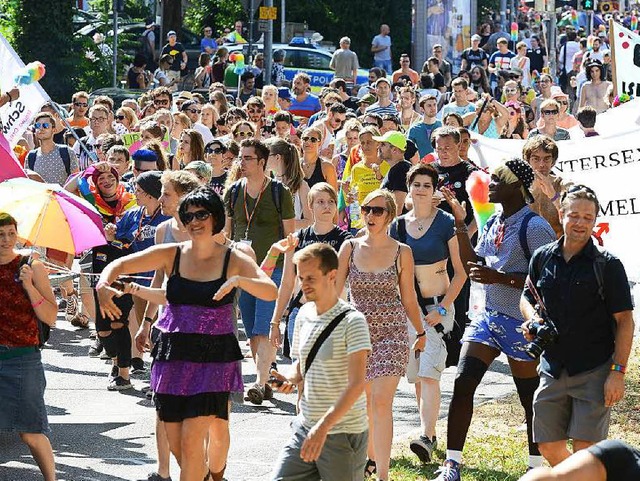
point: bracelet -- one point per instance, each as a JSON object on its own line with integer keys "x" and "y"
{"x": 424, "y": 333}
{"x": 35, "y": 305}
{"x": 619, "y": 368}
{"x": 271, "y": 256}
{"x": 555, "y": 197}
{"x": 461, "y": 230}
{"x": 148, "y": 319}
{"x": 102, "y": 284}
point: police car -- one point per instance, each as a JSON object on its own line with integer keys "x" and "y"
{"x": 303, "y": 56}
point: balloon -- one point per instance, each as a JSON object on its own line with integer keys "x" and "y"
{"x": 478, "y": 188}
{"x": 32, "y": 72}
{"x": 514, "y": 31}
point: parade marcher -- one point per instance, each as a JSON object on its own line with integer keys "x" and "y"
{"x": 550, "y": 109}
{"x": 586, "y": 118}
{"x": 330, "y": 437}
{"x": 26, "y": 300}
{"x": 474, "y": 55}
{"x": 583, "y": 299}
{"x": 429, "y": 232}
{"x": 191, "y": 386}
{"x": 392, "y": 146}
{"x": 304, "y": 104}
{"x": 380, "y": 273}
{"x": 407, "y": 115}
{"x": 444, "y": 65}
{"x": 99, "y": 122}
{"x": 461, "y": 105}
{"x": 565, "y": 119}
{"x": 384, "y": 105}
{"x": 420, "y": 133}
{"x": 505, "y": 244}
{"x": 405, "y": 69}
{"x": 594, "y": 91}
{"x": 315, "y": 168}
{"x": 260, "y": 212}
{"x": 80, "y": 107}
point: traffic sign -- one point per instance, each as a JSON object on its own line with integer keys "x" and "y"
{"x": 263, "y": 25}
{"x": 268, "y": 13}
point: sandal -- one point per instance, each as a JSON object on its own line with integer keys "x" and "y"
{"x": 369, "y": 469}
{"x": 81, "y": 321}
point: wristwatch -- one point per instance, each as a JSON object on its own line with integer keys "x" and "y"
{"x": 442, "y": 310}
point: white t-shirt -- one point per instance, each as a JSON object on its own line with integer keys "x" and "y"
{"x": 329, "y": 373}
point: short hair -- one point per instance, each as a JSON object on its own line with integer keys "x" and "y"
{"x": 423, "y": 169}
{"x": 283, "y": 116}
{"x": 324, "y": 253}
{"x": 425, "y": 98}
{"x": 105, "y": 101}
{"x": 352, "y": 125}
{"x": 578, "y": 192}
{"x": 460, "y": 81}
{"x": 338, "y": 108}
{"x": 371, "y": 130}
{"x": 377, "y": 71}
{"x": 537, "y": 142}
{"x": 161, "y": 92}
{"x": 247, "y": 75}
{"x": 7, "y": 219}
{"x": 257, "y": 101}
{"x": 376, "y": 117}
{"x": 389, "y": 201}
{"x": 40, "y": 115}
{"x": 435, "y": 60}
{"x": 426, "y": 81}
{"x": 304, "y": 77}
{"x": 261, "y": 150}
{"x": 119, "y": 149}
{"x": 455, "y": 115}
{"x": 99, "y": 108}
{"x": 587, "y": 117}
{"x": 202, "y": 169}
{"x": 391, "y": 118}
{"x": 339, "y": 84}
{"x": 182, "y": 182}
{"x": 443, "y": 132}
{"x": 209, "y": 200}
{"x": 80, "y": 94}
{"x": 549, "y": 103}
{"x": 322, "y": 187}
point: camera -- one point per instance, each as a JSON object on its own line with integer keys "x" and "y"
{"x": 545, "y": 333}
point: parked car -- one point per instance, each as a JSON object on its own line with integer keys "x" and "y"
{"x": 304, "y": 57}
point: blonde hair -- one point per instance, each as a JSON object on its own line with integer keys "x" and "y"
{"x": 389, "y": 201}
{"x": 130, "y": 116}
{"x": 321, "y": 188}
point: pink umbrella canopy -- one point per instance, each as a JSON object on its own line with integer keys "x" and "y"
{"x": 9, "y": 165}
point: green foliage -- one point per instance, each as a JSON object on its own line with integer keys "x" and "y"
{"x": 486, "y": 9}
{"x": 215, "y": 13}
{"x": 135, "y": 9}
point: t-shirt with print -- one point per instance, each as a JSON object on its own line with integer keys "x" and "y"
{"x": 217, "y": 183}
{"x": 328, "y": 376}
{"x": 502, "y": 61}
{"x": 51, "y": 167}
{"x": 260, "y": 222}
{"x": 455, "y": 109}
{"x": 421, "y": 136}
{"x": 364, "y": 179}
{"x": 176, "y": 54}
{"x": 396, "y": 178}
{"x": 455, "y": 178}
{"x": 335, "y": 238}
{"x": 474, "y": 57}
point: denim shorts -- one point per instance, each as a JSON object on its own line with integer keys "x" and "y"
{"x": 22, "y": 384}
{"x": 499, "y": 331}
{"x": 256, "y": 314}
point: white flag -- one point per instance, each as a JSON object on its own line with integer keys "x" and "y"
{"x": 17, "y": 116}
{"x": 626, "y": 55}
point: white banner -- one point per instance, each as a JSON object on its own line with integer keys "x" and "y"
{"x": 626, "y": 55}
{"x": 610, "y": 165}
{"x": 17, "y": 116}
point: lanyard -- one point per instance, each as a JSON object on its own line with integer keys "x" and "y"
{"x": 248, "y": 217}
{"x": 122, "y": 245}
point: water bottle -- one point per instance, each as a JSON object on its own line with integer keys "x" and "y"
{"x": 354, "y": 207}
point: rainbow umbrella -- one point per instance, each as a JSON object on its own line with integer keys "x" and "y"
{"x": 49, "y": 216}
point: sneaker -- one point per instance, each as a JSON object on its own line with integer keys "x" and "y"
{"x": 156, "y": 477}
{"x": 137, "y": 366}
{"x": 115, "y": 372}
{"x": 449, "y": 471}
{"x": 104, "y": 355}
{"x": 119, "y": 384}
{"x": 268, "y": 392}
{"x": 96, "y": 348}
{"x": 423, "y": 447}
{"x": 255, "y": 394}
{"x": 274, "y": 366}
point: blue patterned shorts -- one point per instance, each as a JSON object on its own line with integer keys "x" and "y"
{"x": 499, "y": 331}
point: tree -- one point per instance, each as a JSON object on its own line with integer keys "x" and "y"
{"x": 217, "y": 14}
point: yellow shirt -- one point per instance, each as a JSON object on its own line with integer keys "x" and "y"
{"x": 364, "y": 179}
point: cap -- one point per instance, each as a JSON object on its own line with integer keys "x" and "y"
{"x": 383, "y": 79}
{"x": 185, "y": 95}
{"x": 284, "y": 93}
{"x": 368, "y": 99}
{"x": 150, "y": 183}
{"x": 395, "y": 138}
{"x": 171, "y": 33}
{"x": 476, "y": 37}
{"x": 144, "y": 155}
{"x": 97, "y": 173}
{"x": 523, "y": 171}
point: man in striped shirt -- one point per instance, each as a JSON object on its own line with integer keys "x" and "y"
{"x": 330, "y": 434}
{"x": 384, "y": 105}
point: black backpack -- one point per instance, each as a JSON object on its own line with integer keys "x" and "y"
{"x": 44, "y": 330}
{"x": 63, "y": 151}
{"x": 276, "y": 193}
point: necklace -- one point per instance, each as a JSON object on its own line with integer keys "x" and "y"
{"x": 421, "y": 226}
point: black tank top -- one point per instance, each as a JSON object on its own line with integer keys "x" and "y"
{"x": 316, "y": 176}
{"x": 197, "y": 293}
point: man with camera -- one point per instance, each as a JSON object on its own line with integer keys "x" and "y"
{"x": 579, "y": 315}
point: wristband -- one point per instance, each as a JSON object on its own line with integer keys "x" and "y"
{"x": 461, "y": 230}
{"x": 38, "y": 304}
{"x": 272, "y": 256}
{"x": 619, "y": 368}
{"x": 148, "y": 319}
{"x": 424, "y": 333}
{"x": 555, "y": 197}
{"x": 102, "y": 284}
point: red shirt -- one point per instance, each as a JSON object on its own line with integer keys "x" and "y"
{"x": 18, "y": 321}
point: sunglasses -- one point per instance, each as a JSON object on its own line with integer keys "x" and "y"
{"x": 218, "y": 150}
{"x": 313, "y": 140}
{"x": 563, "y": 102}
{"x": 374, "y": 210}
{"x": 244, "y": 134}
{"x": 42, "y": 125}
{"x": 550, "y": 112}
{"x": 194, "y": 111}
{"x": 200, "y": 215}
{"x": 80, "y": 104}
{"x": 120, "y": 117}
{"x": 161, "y": 102}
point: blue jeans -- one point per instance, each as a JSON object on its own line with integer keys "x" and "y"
{"x": 384, "y": 65}
{"x": 256, "y": 314}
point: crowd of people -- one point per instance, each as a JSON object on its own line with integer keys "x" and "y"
{"x": 338, "y": 229}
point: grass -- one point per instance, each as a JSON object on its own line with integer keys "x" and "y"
{"x": 496, "y": 448}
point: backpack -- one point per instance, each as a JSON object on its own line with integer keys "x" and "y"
{"x": 454, "y": 336}
{"x": 44, "y": 330}
{"x": 63, "y": 152}
{"x": 276, "y": 193}
{"x": 145, "y": 46}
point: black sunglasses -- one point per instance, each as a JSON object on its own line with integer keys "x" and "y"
{"x": 80, "y": 104}
{"x": 217, "y": 150}
{"x": 199, "y": 214}
{"x": 374, "y": 210}
{"x": 120, "y": 117}
{"x": 549, "y": 112}
{"x": 313, "y": 140}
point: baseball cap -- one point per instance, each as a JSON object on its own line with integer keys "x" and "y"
{"x": 395, "y": 138}
{"x": 382, "y": 79}
{"x": 284, "y": 93}
{"x": 475, "y": 37}
{"x": 185, "y": 95}
{"x": 368, "y": 99}
{"x": 171, "y": 33}
{"x": 523, "y": 171}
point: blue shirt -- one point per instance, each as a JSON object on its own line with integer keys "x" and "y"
{"x": 306, "y": 108}
{"x": 508, "y": 257}
{"x": 421, "y": 136}
{"x": 208, "y": 42}
{"x": 433, "y": 245}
